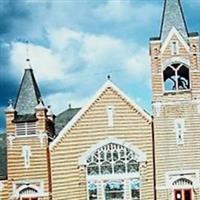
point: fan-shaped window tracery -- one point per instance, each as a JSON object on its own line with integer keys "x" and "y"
{"x": 112, "y": 159}
{"x": 28, "y": 190}
{"x": 113, "y": 172}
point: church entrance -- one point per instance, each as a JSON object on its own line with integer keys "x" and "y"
{"x": 184, "y": 194}
{"x": 28, "y": 193}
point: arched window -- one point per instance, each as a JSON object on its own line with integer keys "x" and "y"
{"x": 28, "y": 190}
{"x": 176, "y": 77}
{"x": 183, "y": 189}
{"x": 112, "y": 168}
{"x": 112, "y": 159}
{"x": 182, "y": 182}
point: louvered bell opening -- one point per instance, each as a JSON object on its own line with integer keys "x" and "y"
{"x": 26, "y": 128}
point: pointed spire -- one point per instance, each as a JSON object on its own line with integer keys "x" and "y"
{"x": 173, "y": 17}
{"x": 29, "y": 94}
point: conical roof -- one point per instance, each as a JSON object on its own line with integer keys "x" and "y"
{"x": 173, "y": 17}
{"x": 29, "y": 94}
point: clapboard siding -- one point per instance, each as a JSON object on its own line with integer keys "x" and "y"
{"x": 38, "y": 172}
{"x": 69, "y": 180}
{"x": 169, "y": 156}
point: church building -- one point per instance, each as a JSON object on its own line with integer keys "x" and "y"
{"x": 111, "y": 148}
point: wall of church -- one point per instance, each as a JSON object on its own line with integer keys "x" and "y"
{"x": 37, "y": 172}
{"x": 3, "y": 190}
{"x": 68, "y": 178}
{"x": 175, "y": 161}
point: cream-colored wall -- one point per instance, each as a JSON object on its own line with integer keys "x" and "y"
{"x": 38, "y": 172}
{"x": 3, "y": 190}
{"x": 169, "y": 156}
{"x": 68, "y": 179}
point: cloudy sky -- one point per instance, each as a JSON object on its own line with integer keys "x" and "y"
{"x": 75, "y": 44}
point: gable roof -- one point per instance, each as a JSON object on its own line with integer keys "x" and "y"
{"x": 108, "y": 84}
{"x": 63, "y": 118}
{"x": 174, "y": 32}
{"x": 173, "y": 17}
{"x": 28, "y": 95}
{"x": 3, "y": 157}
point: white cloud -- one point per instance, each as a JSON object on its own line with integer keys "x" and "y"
{"x": 119, "y": 11}
{"x": 137, "y": 13}
{"x": 74, "y": 58}
{"x": 46, "y": 63}
{"x": 102, "y": 51}
{"x": 138, "y": 65}
{"x": 60, "y": 101}
{"x": 60, "y": 39}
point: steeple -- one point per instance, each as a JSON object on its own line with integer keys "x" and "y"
{"x": 28, "y": 95}
{"x": 173, "y": 17}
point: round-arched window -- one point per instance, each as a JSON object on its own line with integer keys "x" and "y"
{"x": 110, "y": 169}
{"x": 112, "y": 159}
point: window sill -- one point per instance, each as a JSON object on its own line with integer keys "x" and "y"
{"x": 26, "y": 136}
{"x": 176, "y": 92}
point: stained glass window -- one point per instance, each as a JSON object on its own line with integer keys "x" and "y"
{"x": 92, "y": 188}
{"x": 112, "y": 159}
{"x": 111, "y": 169}
{"x": 114, "y": 190}
{"x": 135, "y": 189}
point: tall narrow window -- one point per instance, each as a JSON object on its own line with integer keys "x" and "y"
{"x": 92, "y": 190}
{"x": 174, "y": 48}
{"x": 26, "y": 153}
{"x": 179, "y": 128}
{"x": 114, "y": 190}
{"x": 135, "y": 189}
{"x": 110, "y": 116}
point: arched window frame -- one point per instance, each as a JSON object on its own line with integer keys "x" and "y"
{"x": 140, "y": 156}
{"x": 37, "y": 190}
{"x": 101, "y": 179}
{"x": 170, "y": 63}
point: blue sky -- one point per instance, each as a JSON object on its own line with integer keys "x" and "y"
{"x": 74, "y": 44}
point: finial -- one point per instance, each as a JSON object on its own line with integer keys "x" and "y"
{"x": 40, "y": 104}
{"x": 108, "y": 77}
{"x": 27, "y": 55}
{"x": 10, "y": 107}
{"x": 49, "y": 111}
{"x": 10, "y": 102}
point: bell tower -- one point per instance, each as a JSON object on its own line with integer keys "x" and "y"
{"x": 29, "y": 127}
{"x": 175, "y": 67}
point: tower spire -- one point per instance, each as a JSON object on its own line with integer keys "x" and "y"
{"x": 28, "y": 95}
{"x": 173, "y": 16}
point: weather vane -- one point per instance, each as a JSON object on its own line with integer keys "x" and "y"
{"x": 27, "y": 55}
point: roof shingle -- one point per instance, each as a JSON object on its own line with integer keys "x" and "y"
{"x": 28, "y": 95}
{"x": 173, "y": 17}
